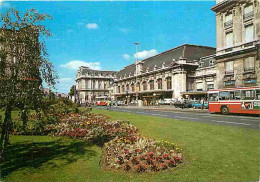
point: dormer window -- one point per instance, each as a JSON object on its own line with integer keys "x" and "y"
{"x": 201, "y": 64}
{"x": 163, "y": 65}
{"x": 212, "y": 62}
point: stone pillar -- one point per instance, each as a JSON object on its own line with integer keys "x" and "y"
{"x": 179, "y": 84}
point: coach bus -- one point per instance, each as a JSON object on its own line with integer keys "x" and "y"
{"x": 102, "y": 100}
{"x": 245, "y": 100}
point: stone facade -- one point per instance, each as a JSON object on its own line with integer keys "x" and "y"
{"x": 93, "y": 83}
{"x": 170, "y": 74}
{"x": 238, "y": 32}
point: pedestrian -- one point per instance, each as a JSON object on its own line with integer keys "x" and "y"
{"x": 108, "y": 104}
{"x": 202, "y": 103}
{"x": 182, "y": 102}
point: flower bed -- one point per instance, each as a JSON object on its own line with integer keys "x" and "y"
{"x": 125, "y": 149}
{"x": 140, "y": 155}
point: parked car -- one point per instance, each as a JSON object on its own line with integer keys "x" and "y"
{"x": 186, "y": 104}
{"x": 120, "y": 103}
{"x": 197, "y": 105}
{"x": 166, "y": 102}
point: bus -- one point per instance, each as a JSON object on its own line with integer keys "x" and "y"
{"x": 244, "y": 100}
{"x": 101, "y": 101}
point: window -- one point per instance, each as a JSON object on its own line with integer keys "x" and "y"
{"x": 249, "y": 33}
{"x": 223, "y": 96}
{"x": 144, "y": 85}
{"x": 94, "y": 84}
{"x": 199, "y": 86}
{"x": 159, "y": 83}
{"x": 257, "y": 93}
{"x": 169, "y": 83}
{"x": 118, "y": 89}
{"x": 86, "y": 83}
{"x": 248, "y": 12}
{"x": 105, "y": 85}
{"x": 249, "y": 63}
{"x": 230, "y": 67}
{"x": 248, "y": 94}
{"x": 99, "y": 84}
{"x": 123, "y": 89}
{"x": 228, "y": 21}
{"x": 127, "y": 87}
{"x": 133, "y": 87}
{"x": 210, "y": 86}
{"x": 211, "y": 62}
{"x": 151, "y": 85}
{"x": 229, "y": 39}
{"x": 213, "y": 97}
{"x": 235, "y": 95}
{"x": 248, "y": 9}
{"x": 201, "y": 64}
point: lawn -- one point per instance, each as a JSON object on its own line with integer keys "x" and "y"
{"x": 211, "y": 153}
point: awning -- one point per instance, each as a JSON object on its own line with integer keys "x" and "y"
{"x": 194, "y": 93}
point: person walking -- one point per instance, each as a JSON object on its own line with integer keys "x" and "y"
{"x": 108, "y": 104}
{"x": 202, "y": 103}
{"x": 182, "y": 102}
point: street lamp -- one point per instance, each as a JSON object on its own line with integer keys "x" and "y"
{"x": 136, "y": 61}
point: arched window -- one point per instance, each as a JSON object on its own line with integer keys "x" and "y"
{"x": 159, "y": 82}
{"x": 144, "y": 85}
{"x": 127, "y": 87}
{"x": 133, "y": 87}
{"x": 123, "y": 89}
{"x": 151, "y": 82}
{"x": 169, "y": 83}
{"x": 118, "y": 89}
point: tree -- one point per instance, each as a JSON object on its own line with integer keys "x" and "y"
{"x": 24, "y": 64}
{"x": 72, "y": 90}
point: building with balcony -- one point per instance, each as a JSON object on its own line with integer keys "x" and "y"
{"x": 238, "y": 32}
{"x": 93, "y": 83}
{"x": 170, "y": 74}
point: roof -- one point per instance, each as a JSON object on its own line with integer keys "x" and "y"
{"x": 83, "y": 70}
{"x": 187, "y": 51}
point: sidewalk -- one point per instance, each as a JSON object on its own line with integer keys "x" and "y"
{"x": 166, "y": 108}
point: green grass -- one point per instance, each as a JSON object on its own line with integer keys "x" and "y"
{"x": 211, "y": 153}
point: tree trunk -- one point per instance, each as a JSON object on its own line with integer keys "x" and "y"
{"x": 5, "y": 130}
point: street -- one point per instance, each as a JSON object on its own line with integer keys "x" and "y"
{"x": 231, "y": 120}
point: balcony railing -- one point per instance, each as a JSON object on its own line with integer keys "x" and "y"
{"x": 229, "y": 72}
{"x": 249, "y": 16}
{"x": 228, "y": 24}
{"x": 252, "y": 69}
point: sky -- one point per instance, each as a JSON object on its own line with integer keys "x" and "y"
{"x": 101, "y": 35}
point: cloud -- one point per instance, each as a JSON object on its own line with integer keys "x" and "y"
{"x": 92, "y": 26}
{"x": 4, "y": 4}
{"x": 146, "y": 54}
{"x": 126, "y": 56}
{"x": 123, "y": 30}
{"x": 75, "y": 64}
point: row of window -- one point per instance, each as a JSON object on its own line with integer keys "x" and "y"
{"x": 248, "y": 28}
{"x": 249, "y": 64}
{"x": 235, "y": 95}
{"x": 123, "y": 89}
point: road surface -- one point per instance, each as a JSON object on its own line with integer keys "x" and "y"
{"x": 245, "y": 121}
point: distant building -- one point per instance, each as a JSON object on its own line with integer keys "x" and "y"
{"x": 184, "y": 70}
{"x": 93, "y": 83}
{"x": 47, "y": 91}
{"x": 238, "y": 32}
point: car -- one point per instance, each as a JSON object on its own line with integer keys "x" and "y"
{"x": 120, "y": 103}
{"x": 166, "y": 102}
{"x": 197, "y": 105}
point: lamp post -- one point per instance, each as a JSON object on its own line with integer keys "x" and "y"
{"x": 136, "y": 61}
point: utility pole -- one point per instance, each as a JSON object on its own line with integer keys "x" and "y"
{"x": 136, "y": 62}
